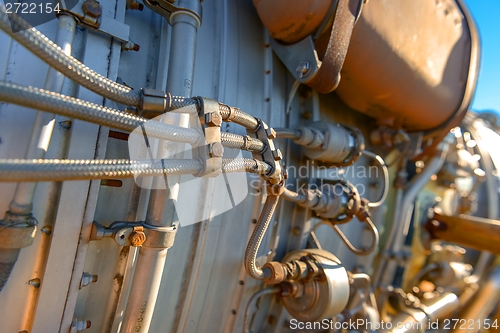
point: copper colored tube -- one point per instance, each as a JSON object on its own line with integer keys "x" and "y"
{"x": 475, "y": 232}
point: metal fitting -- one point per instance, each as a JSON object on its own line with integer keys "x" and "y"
{"x": 130, "y": 46}
{"x": 153, "y": 103}
{"x": 136, "y": 234}
{"x": 80, "y": 325}
{"x": 134, "y": 5}
{"x": 87, "y": 279}
{"x": 17, "y": 230}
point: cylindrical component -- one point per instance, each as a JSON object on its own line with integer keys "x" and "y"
{"x": 418, "y": 320}
{"x": 482, "y": 304}
{"x": 330, "y": 144}
{"x": 323, "y": 297}
{"x": 470, "y": 231}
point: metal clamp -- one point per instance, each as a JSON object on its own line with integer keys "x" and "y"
{"x": 168, "y": 9}
{"x": 136, "y": 234}
{"x": 271, "y": 155}
{"x": 210, "y": 154}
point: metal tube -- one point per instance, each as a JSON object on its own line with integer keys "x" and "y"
{"x": 403, "y": 215}
{"x": 470, "y": 231}
{"x": 251, "y": 304}
{"x": 482, "y": 304}
{"x": 151, "y": 262}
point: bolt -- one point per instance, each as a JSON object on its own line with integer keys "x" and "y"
{"x": 303, "y": 69}
{"x": 80, "y": 325}
{"x": 135, "y": 5}
{"x": 137, "y": 237}
{"x": 46, "y": 229}
{"x": 216, "y": 149}
{"x": 87, "y": 279}
{"x": 92, "y": 8}
{"x": 272, "y": 134}
{"x": 214, "y": 119}
{"x": 34, "y": 282}
{"x": 277, "y": 155}
{"x": 131, "y": 46}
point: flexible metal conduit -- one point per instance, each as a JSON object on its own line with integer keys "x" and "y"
{"x": 239, "y": 117}
{"x": 256, "y": 238}
{"x": 16, "y": 170}
{"x": 231, "y": 140}
{"x": 54, "y": 56}
{"x": 86, "y": 111}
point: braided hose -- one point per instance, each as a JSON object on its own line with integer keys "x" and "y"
{"x": 13, "y": 170}
{"x": 55, "y": 57}
{"x": 5, "y": 270}
{"x": 246, "y": 165}
{"x": 239, "y": 117}
{"x": 74, "y": 108}
{"x": 17, "y": 170}
{"x": 258, "y": 234}
{"x": 236, "y": 141}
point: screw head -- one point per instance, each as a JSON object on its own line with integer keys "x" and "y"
{"x": 92, "y": 8}
{"x": 214, "y": 119}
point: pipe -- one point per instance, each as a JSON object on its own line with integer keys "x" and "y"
{"x": 151, "y": 262}
{"x": 287, "y": 133}
{"x": 256, "y": 238}
{"x": 469, "y": 231}
{"x": 251, "y": 305}
{"x": 483, "y": 303}
{"x": 22, "y": 202}
{"x": 385, "y": 172}
{"x": 50, "y": 53}
{"x": 403, "y": 214}
{"x": 86, "y": 111}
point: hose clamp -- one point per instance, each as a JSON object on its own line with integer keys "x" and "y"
{"x": 153, "y": 103}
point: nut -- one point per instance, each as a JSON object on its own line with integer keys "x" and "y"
{"x": 214, "y": 119}
{"x": 92, "y": 8}
{"x": 137, "y": 237}
{"x": 216, "y": 149}
{"x": 277, "y": 271}
{"x": 277, "y": 155}
{"x": 271, "y": 134}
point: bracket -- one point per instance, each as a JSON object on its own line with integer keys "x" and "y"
{"x": 271, "y": 155}
{"x": 88, "y": 14}
{"x": 210, "y": 154}
{"x": 301, "y": 58}
{"x": 168, "y": 9}
{"x": 136, "y": 234}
